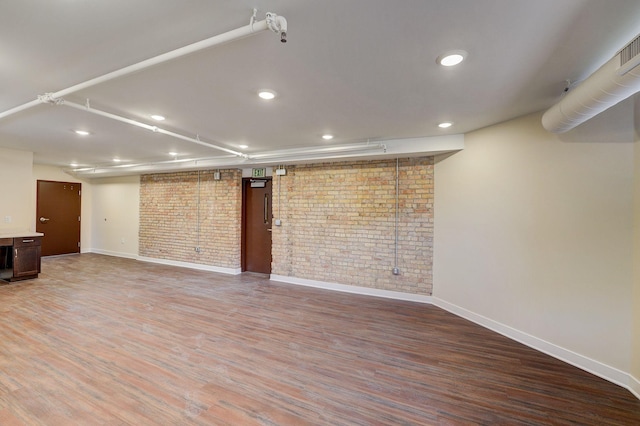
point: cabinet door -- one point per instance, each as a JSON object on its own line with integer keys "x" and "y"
{"x": 26, "y": 257}
{"x": 26, "y": 261}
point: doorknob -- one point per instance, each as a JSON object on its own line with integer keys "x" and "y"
{"x": 44, "y": 219}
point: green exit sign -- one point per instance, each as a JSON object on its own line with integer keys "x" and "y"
{"x": 259, "y": 172}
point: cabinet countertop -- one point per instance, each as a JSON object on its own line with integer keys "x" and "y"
{"x": 17, "y": 234}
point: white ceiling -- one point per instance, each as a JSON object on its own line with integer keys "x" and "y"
{"x": 359, "y": 69}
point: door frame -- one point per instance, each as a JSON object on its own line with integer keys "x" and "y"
{"x": 243, "y": 233}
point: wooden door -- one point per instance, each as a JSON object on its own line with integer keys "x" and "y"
{"x": 58, "y": 217}
{"x": 257, "y": 217}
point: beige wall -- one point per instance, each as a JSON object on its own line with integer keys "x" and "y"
{"x": 534, "y": 231}
{"x": 635, "y": 355}
{"x": 115, "y": 210}
{"x": 338, "y": 224}
{"x": 17, "y": 209}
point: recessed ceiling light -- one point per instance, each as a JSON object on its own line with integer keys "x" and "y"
{"x": 116, "y": 160}
{"x": 451, "y": 58}
{"x": 82, "y": 132}
{"x": 267, "y": 95}
{"x": 73, "y": 164}
{"x": 157, "y": 117}
{"x": 327, "y": 137}
{"x": 445, "y": 125}
{"x": 173, "y": 154}
{"x": 243, "y": 146}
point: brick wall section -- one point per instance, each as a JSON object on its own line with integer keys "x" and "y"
{"x": 338, "y": 222}
{"x": 169, "y": 217}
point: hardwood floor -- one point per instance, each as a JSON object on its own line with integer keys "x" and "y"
{"x": 99, "y": 340}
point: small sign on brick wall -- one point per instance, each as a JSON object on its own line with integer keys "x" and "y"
{"x": 259, "y": 172}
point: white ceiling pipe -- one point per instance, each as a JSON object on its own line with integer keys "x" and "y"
{"x": 241, "y": 32}
{"x": 155, "y": 129}
{"x": 317, "y": 150}
{"x": 269, "y": 158}
{"x": 230, "y": 161}
{"x": 601, "y": 90}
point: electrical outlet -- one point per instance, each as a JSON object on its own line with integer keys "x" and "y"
{"x": 7, "y": 219}
{"x": 277, "y": 222}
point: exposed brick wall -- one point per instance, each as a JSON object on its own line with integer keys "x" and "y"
{"x": 338, "y": 222}
{"x": 169, "y": 217}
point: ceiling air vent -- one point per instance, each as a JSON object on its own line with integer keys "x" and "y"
{"x": 629, "y": 56}
{"x": 613, "y": 82}
{"x": 630, "y": 50}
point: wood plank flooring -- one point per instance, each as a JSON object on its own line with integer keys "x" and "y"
{"x": 99, "y": 340}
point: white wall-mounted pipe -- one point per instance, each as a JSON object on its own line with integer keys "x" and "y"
{"x": 396, "y": 269}
{"x": 155, "y": 129}
{"x": 600, "y": 91}
{"x": 241, "y": 32}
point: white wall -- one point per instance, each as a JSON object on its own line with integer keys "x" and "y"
{"x": 116, "y": 222}
{"x": 635, "y": 355}
{"x": 533, "y": 235}
{"x": 42, "y": 172}
{"x": 17, "y": 206}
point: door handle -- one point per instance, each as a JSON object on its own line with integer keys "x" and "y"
{"x": 269, "y": 229}
{"x": 266, "y": 208}
{"x": 44, "y": 219}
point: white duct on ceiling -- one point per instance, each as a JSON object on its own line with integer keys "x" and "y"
{"x": 612, "y": 83}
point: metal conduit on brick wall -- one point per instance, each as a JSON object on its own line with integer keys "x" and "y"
{"x": 169, "y": 217}
{"x": 338, "y": 223}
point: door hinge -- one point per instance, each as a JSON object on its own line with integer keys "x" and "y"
{"x": 78, "y": 218}
{"x": 78, "y": 244}
{"x": 80, "y": 192}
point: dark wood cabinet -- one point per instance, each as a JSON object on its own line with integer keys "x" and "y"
{"x": 26, "y": 257}
{"x": 20, "y": 258}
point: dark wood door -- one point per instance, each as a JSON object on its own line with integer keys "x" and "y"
{"x": 256, "y": 244}
{"x": 58, "y": 217}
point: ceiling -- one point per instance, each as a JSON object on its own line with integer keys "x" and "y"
{"x": 362, "y": 70}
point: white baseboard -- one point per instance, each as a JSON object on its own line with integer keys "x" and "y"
{"x": 597, "y": 368}
{"x": 199, "y": 266}
{"x": 634, "y": 386}
{"x": 388, "y": 294}
{"x": 594, "y": 367}
{"x": 111, "y": 253}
